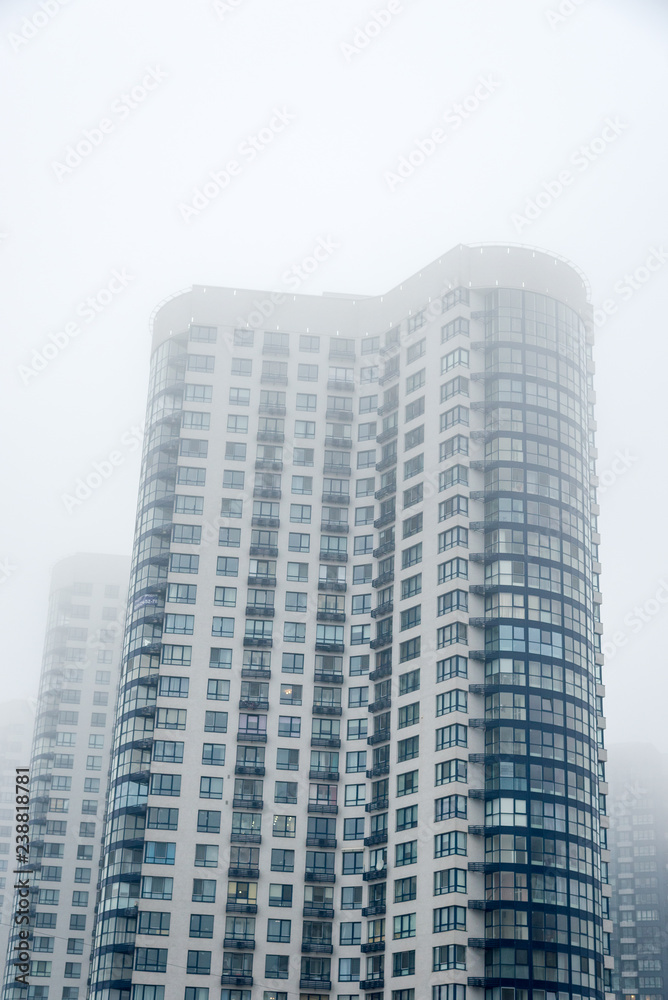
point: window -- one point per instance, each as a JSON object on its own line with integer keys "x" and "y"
{"x": 159, "y": 852}
{"x": 407, "y": 783}
{"x": 159, "y": 818}
{"x": 460, "y": 357}
{"x": 154, "y": 922}
{"x": 280, "y": 895}
{"x": 449, "y": 634}
{"x": 451, "y": 736}
{"x": 449, "y": 918}
{"x": 198, "y": 963}
{"x": 357, "y": 729}
{"x": 166, "y": 784}
{"x": 403, "y": 963}
{"x": 460, "y": 325}
{"x": 353, "y": 828}
{"x": 355, "y": 795}
{"x": 414, "y": 466}
{"x": 173, "y": 687}
{"x": 220, "y": 659}
{"x": 449, "y": 956}
{"x": 282, "y": 860}
{"x": 287, "y": 760}
{"x": 454, "y": 505}
{"x": 307, "y": 401}
{"x": 289, "y": 726}
{"x": 351, "y": 897}
{"x": 298, "y": 542}
{"x": 204, "y": 890}
{"x": 353, "y": 862}
{"x": 451, "y": 770}
{"x": 278, "y": 930}
{"x": 302, "y": 484}
{"x": 407, "y": 817}
{"x": 411, "y": 617}
{"x": 409, "y": 715}
{"x": 210, "y": 788}
{"x": 451, "y": 807}
{"x": 408, "y": 749}
{"x": 206, "y": 856}
{"x": 292, "y": 663}
{"x": 449, "y": 880}
{"x": 307, "y": 373}
{"x": 182, "y": 563}
{"x": 411, "y": 556}
{"x": 242, "y": 367}
{"x": 404, "y": 926}
{"x": 233, "y": 479}
{"x": 309, "y": 343}
{"x": 227, "y": 566}
{"x": 171, "y": 718}
{"x": 405, "y": 889}
{"x": 213, "y": 754}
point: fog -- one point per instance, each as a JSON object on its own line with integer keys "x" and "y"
{"x": 547, "y": 128}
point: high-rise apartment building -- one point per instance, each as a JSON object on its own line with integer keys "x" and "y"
{"x": 359, "y": 746}
{"x": 69, "y": 771}
{"x": 639, "y": 871}
{"x": 16, "y": 725}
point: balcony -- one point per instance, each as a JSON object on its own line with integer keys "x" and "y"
{"x": 380, "y": 704}
{"x": 317, "y": 875}
{"x": 330, "y": 742}
{"x": 265, "y": 551}
{"x": 338, "y": 527}
{"x": 333, "y": 585}
{"x": 338, "y": 442}
{"x": 333, "y": 555}
{"x": 382, "y": 736}
{"x": 255, "y": 704}
{"x": 242, "y": 802}
{"x": 251, "y": 736}
{"x": 376, "y": 910}
{"x": 326, "y": 708}
{"x": 376, "y": 805}
{"x": 386, "y": 463}
{"x": 379, "y": 770}
{"x": 383, "y": 579}
{"x": 374, "y": 874}
{"x": 376, "y": 838}
{"x": 384, "y": 550}
{"x": 383, "y": 609}
{"x": 346, "y": 416}
{"x": 256, "y": 642}
{"x": 232, "y": 906}
{"x": 241, "y": 837}
{"x": 256, "y": 673}
{"x": 345, "y": 353}
{"x": 311, "y": 946}
{"x": 372, "y": 984}
{"x": 315, "y": 984}
{"x": 381, "y": 641}
{"x": 341, "y": 384}
{"x": 318, "y": 913}
{"x": 267, "y": 492}
{"x": 260, "y": 610}
{"x": 243, "y": 872}
{"x": 380, "y": 522}
{"x": 319, "y": 774}
{"x": 266, "y": 522}
{"x": 329, "y": 647}
{"x": 336, "y": 470}
{"x": 321, "y": 841}
{"x": 257, "y": 769}
{"x": 269, "y": 464}
{"x": 275, "y": 409}
{"x": 273, "y": 378}
{"x": 324, "y": 677}
{"x": 261, "y": 581}
{"x": 336, "y": 498}
{"x": 270, "y": 437}
{"x": 373, "y": 945}
{"x": 236, "y": 980}
{"x": 331, "y": 616}
{"x": 242, "y": 943}
{"x": 380, "y": 672}
{"x": 323, "y": 807}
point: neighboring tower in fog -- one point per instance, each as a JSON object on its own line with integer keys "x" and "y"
{"x": 16, "y": 725}
{"x": 360, "y": 740}
{"x": 69, "y": 772}
{"x": 639, "y": 871}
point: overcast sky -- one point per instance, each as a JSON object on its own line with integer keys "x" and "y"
{"x": 554, "y": 124}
